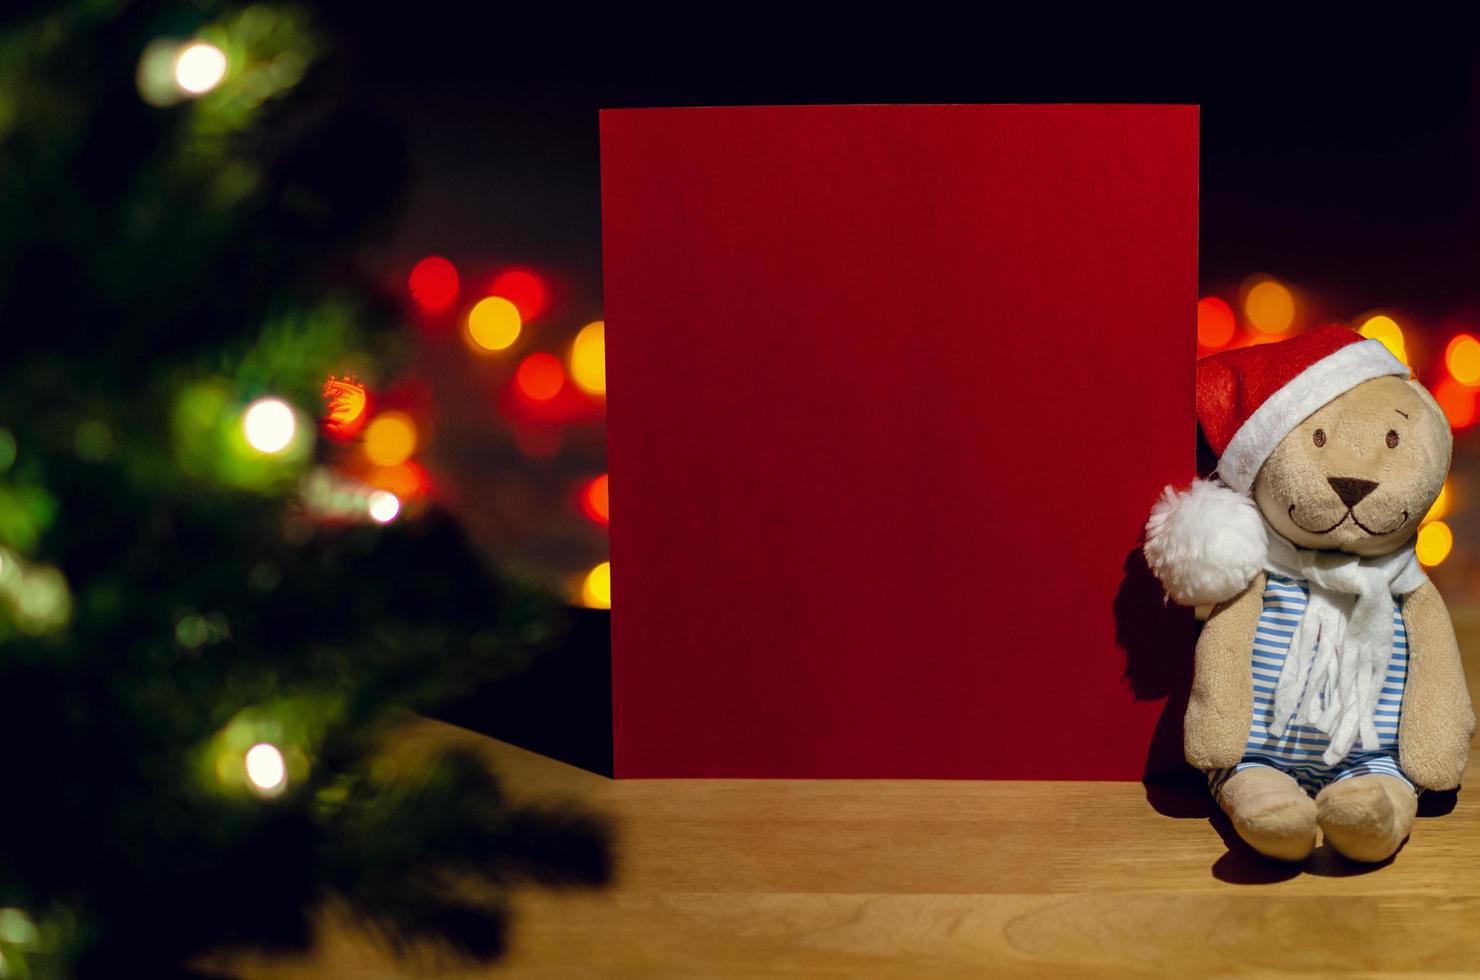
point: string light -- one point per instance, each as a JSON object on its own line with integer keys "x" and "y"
{"x": 1435, "y": 541}
{"x": 540, "y": 377}
{"x": 524, "y": 289}
{"x": 1462, "y": 358}
{"x": 596, "y": 589}
{"x": 594, "y": 500}
{"x": 199, "y": 67}
{"x": 384, "y": 506}
{"x": 1269, "y": 306}
{"x": 1458, "y": 402}
{"x": 266, "y": 771}
{"x": 345, "y": 401}
{"x": 1215, "y": 322}
{"x": 588, "y": 358}
{"x": 269, "y": 425}
{"x": 406, "y": 480}
{"x": 433, "y": 284}
{"x": 493, "y": 324}
{"x": 1386, "y": 329}
{"x": 390, "y": 439}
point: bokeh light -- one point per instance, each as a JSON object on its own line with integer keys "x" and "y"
{"x": 1269, "y": 306}
{"x": 524, "y": 288}
{"x": 1441, "y": 505}
{"x": 390, "y": 438}
{"x": 1215, "y": 322}
{"x": 433, "y": 284}
{"x": 1386, "y": 329}
{"x": 493, "y": 324}
{"x": 1462, "y": 358}
{"x": 540, "y": 377}
{"x": 406, "y": 480}
{"x": 269, "y": 425}
{"x": 594, "y": 501}
{"x": 266, "y": 770}
{"x": 383, "y": 506}
{"x": 199, "y": 67}
{"x": 1458, "y": 402}
{"x": 345, "y": 407}
{"x": 588, "y": 358}
{"x": 596, "y": 589}
{"x": 1435, "y": 541}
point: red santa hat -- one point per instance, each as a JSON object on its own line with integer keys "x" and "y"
{"x": 1208, "y": 542}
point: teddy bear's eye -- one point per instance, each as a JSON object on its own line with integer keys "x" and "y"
{"x": 1392, "y": 439}
{"x": 1319, "y": 437}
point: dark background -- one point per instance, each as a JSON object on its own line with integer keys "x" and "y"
{"x": 1344, "y": 161}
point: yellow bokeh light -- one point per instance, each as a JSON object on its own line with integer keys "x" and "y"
{"x": 1385, "y": 329}
{"x": 269, "y": 425}
{"x": 1441, "y": 505}
{"x": 199, "y": 67}
{"x": 588, "y": 358}
{"x": 1434, "y": 543}
{"x": 266, "y": 770}
{"x": 493, "y": 324}
{"x": 596, "y": 590}
{"x": 1269, "y": 306}
{"x": 390, "y": 439}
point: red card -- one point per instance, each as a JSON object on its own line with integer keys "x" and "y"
{"x": 891, "y": 390}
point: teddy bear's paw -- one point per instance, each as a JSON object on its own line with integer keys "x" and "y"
{"x": 1366, "y": 818}
{"x": 1270, "y": 812}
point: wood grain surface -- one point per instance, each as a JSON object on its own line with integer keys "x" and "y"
{"x": 922, "y": 879}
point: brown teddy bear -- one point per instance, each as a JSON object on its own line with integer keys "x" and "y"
{"x": 1328, "y": 689}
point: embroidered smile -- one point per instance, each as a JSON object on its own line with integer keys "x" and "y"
{"x": 1350, "y": 512}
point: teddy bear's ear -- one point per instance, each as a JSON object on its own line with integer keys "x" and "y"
{"x": 1205, "y": 544}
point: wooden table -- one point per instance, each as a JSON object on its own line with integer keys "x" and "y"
{"x": 921, "y": 879}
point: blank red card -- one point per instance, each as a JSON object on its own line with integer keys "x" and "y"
{"x": 891, "y": 390}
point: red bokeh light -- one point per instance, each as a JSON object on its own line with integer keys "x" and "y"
{"x": 1215, "y": 323}
{"x": 524, "y": 288}
{"x": 346, "y": 407}
{"x": 540, "y": 377}
{"x": 433, "y": 284}
{"x": 594, "y": 502}
{"x": 1457, "y": 401}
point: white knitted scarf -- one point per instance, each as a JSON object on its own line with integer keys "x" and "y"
{"x": 1338, "y": 658}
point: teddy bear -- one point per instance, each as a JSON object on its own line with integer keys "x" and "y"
{"x": 1327, "y": 686}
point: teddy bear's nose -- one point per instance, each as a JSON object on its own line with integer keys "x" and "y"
{"x": 1351, "y": 491}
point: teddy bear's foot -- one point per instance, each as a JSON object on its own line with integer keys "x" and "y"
{"x": 1366, "y": 818}
{"x": 1270, "y": 812}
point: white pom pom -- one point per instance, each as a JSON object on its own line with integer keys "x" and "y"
{"x": 1206, "y": 543}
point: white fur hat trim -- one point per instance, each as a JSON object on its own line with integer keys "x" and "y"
{"x": 1205, "y": 544}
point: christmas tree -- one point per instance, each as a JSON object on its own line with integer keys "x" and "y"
{"x": 207, "y": 628}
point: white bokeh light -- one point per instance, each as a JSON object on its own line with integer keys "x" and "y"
{"x": 199, "y": 67}
{"x": 265, "y": 768}
{"x": 384, "y": 506}
{"x": 269, "y": 425}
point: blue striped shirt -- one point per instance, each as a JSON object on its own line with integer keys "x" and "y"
{"x": 1301, "y": 745}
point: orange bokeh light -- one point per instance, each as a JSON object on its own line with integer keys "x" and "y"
{"x": 1462, "y": 358}
{"x": 1215, "y": 322}
{"x": 594, "y": 500}
{"x": 433, "y": 284}
{"x": 540, "y": 377}
{"x": 406, "y": 480}
{"x": 345, "y": 404}
{"x": 1457, "y": 401}
{"x": 523, "y": 288}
